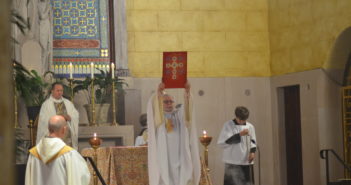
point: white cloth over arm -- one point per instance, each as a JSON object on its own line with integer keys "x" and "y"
{"x": 160, "y": 172}
{"x": 48, "y": 110}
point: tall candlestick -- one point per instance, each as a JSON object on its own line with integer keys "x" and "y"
{"x": 205, "y": 141}
{"x": 70, "y": 70}
{"x": 113, "y": 70}
{"x": 92, "y": 70}
{"x": 95, "y": 143}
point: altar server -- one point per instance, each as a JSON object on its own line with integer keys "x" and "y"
{"x": 238, "y": 140}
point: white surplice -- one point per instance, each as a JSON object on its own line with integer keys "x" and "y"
{"x": 173, "y": 157}
{"x": 237, "y": 153}
{"x": 52, "y": 162}
{"x": 141, "y": 139}
{"x": 48, "y": 110}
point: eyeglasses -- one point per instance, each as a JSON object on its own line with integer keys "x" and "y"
{"x": 167, "y": 101}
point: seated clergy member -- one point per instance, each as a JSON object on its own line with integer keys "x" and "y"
{"x": 141, "y": 139}
{"x": 58, "y": 105}
{"x": 51, "y": 161}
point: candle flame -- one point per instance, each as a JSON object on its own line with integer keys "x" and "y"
{"x": 205, "y": 133}
{"x": 94, "y": 134}
{"x": 92, "y": 70}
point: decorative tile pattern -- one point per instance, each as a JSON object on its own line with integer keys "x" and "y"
{"x": 80, "y": 36}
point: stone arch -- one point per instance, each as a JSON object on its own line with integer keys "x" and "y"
{"x": 339, "y": 63}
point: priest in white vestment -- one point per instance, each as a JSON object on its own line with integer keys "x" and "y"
{"x": 52, "y": 162}
{"x": 173, "y": 154}
{"x": 58, "y": 105}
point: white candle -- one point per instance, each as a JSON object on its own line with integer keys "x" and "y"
{"x": 70, "y": 70}
{"x": 205, "y": 133}
{"x": 113, "y": 70}
{"x": 92, "y": 70}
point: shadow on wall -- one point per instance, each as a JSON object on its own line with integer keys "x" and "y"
{"x": 338, "y": 65}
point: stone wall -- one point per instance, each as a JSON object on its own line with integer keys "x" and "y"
{"x": 222, "y": 37}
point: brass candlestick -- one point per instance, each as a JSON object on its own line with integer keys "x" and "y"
{"x": 71, "y": 87}
{"x": 95, "y": 143}
{"x": 114, "y": 122}
{"x": 31, "y": 132}
{"x": 205, "y": 141}
{"x": 93, "y": 122}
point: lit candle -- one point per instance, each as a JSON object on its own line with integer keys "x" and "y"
{"x": 205, "y": 133}
{"x": 70, "y": 70}
{"x": 113, "y": 70}
{"x": 92, "y": 70}
{"x": 95, "y": 135}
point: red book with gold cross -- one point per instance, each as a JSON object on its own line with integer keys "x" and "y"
{"x": 174, "y": 69}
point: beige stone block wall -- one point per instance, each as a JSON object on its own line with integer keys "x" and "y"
{"x": 222, "y": 37}
{"x": 302, "y": 33}
{"x": 320, "y": 125}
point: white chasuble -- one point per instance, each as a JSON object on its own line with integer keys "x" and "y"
{"x": 53, "y": 162}
{"x": 173, "y": 154}
{"x": 48, "y": 109}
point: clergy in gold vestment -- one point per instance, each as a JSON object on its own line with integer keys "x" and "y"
{"x": 52, "y": 162}
{"x": 58, "y": 105}
{"x": 173, "y": 154}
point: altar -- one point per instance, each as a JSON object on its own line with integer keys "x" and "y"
{"x": 120, "y": 135}
{"x": 127, "y": 165}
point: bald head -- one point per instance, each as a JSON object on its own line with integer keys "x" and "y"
{"x": 57, "y": 125}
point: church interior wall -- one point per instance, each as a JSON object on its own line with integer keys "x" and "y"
{"x": 329, "y": 106}
{"x": 302, "y": 33}
{"x": 31, "y": 55}
{"x": 222, "y": 37}
{"x": 321, "y": 128}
